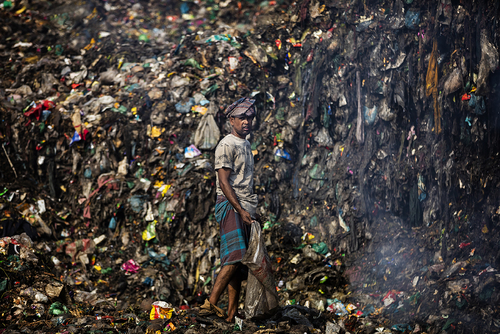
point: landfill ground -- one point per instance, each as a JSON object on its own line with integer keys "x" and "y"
{"x": 376, "y": 147}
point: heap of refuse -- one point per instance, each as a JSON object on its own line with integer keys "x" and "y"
{"x": 376, "y": 147}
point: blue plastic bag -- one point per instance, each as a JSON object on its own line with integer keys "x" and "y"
{"x": 370, "y": 114}
{"x": 412, "y": 19}
{"x": 185, "y": 108}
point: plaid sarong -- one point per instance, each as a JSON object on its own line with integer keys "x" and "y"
{"x": 234, "y": 233}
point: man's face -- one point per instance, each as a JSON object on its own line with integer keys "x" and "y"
{"x": 241, "y": 125}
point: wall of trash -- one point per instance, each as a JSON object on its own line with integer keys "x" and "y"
{"x": 376, "y": 147}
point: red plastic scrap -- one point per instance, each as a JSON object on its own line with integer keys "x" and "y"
{"x": 465, "y": 97}
{"x": 464, "y": 244}
{"x": 35, "y": 112}
{"x": 310, "y": 56}
{"x": 37, "y": 109}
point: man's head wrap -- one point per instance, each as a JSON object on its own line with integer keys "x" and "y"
{"x": 243, "y": 106}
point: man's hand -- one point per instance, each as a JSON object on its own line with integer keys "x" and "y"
{"x": 245, "y": 216}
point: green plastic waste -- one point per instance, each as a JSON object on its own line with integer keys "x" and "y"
{"x": 316, "y": 173}
{"x": 280, "y": 114}
{"x": 217, "y": 38}
{"x": 448, "y": 324}
{"x": 106, "y": 271}
{"x": 192, "y": 62}
{"x": 120, "y": 109}
{"x": 210, "y": 90}
{"x": 143, "y": 38}
{"x": 59, "y": 50}
{"x": 58, "y": 309}
{"x": 7, "y": 4}
{"x": 326, "y": 117}
{"x": 3, "y": 284}
{"x": 320, "y": 248}
{"x": 139, "y": 173}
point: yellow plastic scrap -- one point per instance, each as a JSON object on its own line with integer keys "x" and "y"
{"x": 246, "y": 53}
{"x": 91, "y": 44}
{"x": 199, "y": 109}
{"x": 161, "y": 310}
{"x": 21, "y": 10}
{"x": 304, "y": 34}
{"x": 93, "y": 14}
{"x": 156, "y": 132}
{"x": 268, "y": 116}
{"x": 197, "y": 275}
{"x": 308, "y": 237}
{"x": 165, "y": 189}
{"x": 31, "y": 60}
{"x": 431, "y": 85}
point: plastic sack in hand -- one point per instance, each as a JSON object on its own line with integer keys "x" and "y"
{"x": 207, "y": 134}
{"x": 261, "y": 297}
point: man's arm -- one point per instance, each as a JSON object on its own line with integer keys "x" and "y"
{"x": 228, "y": 191}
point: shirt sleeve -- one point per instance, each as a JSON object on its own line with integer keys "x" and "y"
{"x": 224, "y": 156}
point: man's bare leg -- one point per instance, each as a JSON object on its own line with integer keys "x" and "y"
{"x": 225, "y": 276}
{"x": 233, "y": 290}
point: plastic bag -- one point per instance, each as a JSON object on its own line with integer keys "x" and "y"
{"x": 489, "y": 63}
{"x": 370, "y": 114}
{"x": 161, "y": 310}
{"x": 185, "y": 108}
{"x": 207, "y": 134}
{"x": 261, "y": 297}
{"x": 412, "y": 19}
{"x": 191, "y": 152}
{"x": 453, "y": 82}
{"x": 323, "y": 138}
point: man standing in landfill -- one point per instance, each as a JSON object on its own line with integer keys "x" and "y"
{"x": 235, "y": 209}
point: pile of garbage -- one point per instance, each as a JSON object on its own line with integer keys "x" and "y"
{"x": 375, "y": 145}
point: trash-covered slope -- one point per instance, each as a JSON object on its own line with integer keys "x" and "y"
{"x": 375, "y": 146}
